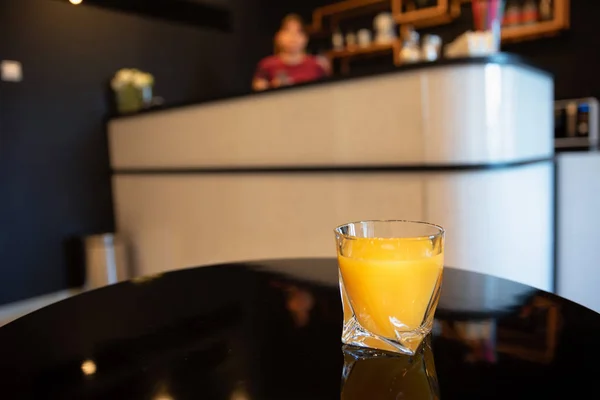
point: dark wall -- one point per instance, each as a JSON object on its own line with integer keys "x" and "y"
{"x": 54, "y": 173}
{"x": 54, "y": 178}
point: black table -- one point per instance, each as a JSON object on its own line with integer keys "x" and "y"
{"x": 271, "y": 330}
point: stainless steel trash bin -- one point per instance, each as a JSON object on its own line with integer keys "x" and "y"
{"x": 105, "y": 260}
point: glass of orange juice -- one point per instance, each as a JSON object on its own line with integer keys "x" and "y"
{"x": 390, "y": 279}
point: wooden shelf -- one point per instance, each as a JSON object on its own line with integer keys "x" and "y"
{"x": 444, "y": 12}
{"x": 357, "y": 51}
{"x": 440, "y": 19}
{"x": 531, "y": 31}
{"x": 346, "y": 55}
{"x": 341, "y": 8}
{"x": 420, "y": 15}
{"x": 346, "y": 6}
{"x": 318, "y": 33}
{"x": 540, "y": 29}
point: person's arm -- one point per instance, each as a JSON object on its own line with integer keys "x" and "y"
{"x": 261, "y": 78}
{"x": 325, "y": 65}
{"x": 260, "y": 84}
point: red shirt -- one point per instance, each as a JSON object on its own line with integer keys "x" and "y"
{"x": 271, "y": 68}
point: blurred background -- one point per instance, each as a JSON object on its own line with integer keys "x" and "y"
{"x": 55, "y": 99}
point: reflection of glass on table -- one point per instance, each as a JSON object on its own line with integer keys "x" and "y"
{"x": 479, "y": 336}
{"x": 369, "y": 374}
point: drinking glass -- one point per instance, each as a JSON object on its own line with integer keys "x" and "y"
{"x": 390, "y": 275}
{"x": 487, "y": 17}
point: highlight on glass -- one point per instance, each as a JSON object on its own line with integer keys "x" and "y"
{"x": 390, "y": 276}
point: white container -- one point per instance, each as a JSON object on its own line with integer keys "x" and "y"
{"x": 105, "y": 261}
{"x": 385, "y": 28}
{"x": 473, "y": 44}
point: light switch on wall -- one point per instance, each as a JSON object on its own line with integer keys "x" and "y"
{"x": 11, "y": 71}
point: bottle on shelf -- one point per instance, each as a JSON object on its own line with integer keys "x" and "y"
{"x": 411, "y": 50}
{"x": 512, "y": 15}
{"x": 337, "y": 40}
{"x": 546, "y": 13}
{"x": 350, "y": 40}
{"x": 529, "y": 12}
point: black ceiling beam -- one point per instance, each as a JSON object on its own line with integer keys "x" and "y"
{"x": 180, "y": 11}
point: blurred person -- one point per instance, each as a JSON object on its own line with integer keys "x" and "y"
{"x": 290, "y": 64}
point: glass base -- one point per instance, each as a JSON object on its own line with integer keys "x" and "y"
{"x": 405, "y": 342}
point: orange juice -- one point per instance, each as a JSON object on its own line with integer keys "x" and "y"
{"x": 390, "y": 282}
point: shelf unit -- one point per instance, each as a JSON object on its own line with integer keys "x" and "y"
{"x": 341, "y": 9}
{"x": 444, "y": 12}
{"x": 560, "y": 22}
{"x": 348, "y": 54}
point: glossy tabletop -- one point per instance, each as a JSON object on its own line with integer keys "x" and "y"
{"x": 271, "y": 330}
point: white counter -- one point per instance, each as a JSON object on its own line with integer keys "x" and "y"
{"x": 578, "y": 272}
{"x": 467, "y": 146}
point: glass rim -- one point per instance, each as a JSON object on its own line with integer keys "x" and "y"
{"x": 440, "y": 230}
